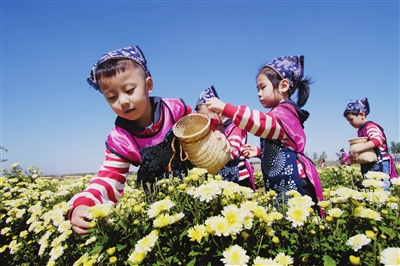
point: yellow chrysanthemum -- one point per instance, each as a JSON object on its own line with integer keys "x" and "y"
{"x": 159, "y": 207}
{"x": 147, "y": 243}
{"x": 283, "y": 259}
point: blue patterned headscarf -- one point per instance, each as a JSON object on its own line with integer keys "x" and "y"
{"x": 131, "y": 52}
{"x": 207, "y": 94}
{"x": 357, "y": 106}
{"x": 290, "y": 68}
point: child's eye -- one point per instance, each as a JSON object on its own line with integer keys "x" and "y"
{"x": 130, "y": 90}
{"x": 111, "y": 98}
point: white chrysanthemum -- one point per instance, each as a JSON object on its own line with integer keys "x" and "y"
{"x": 343, "y": 192}
{"x": 147, "y": 243}
{"x": 90, "y": 240}
{"x": 376, "y": 175}
{"x": 395, "y": 181}
{"x": 297, "y": 215}
{"x": 248, "y": 219}
{"x": 176, "y": 217}
{"x": 378, "y": 196}
{"x": 258, "y": 261}
{"x": 304, "y": 201}
{"x": 335, "y": 212}
{"x": 207, "y": 192}
{"x": 390, "y": 256}
{"x": 56, "y": 252}
{"x": 234, "y": 218}
{"x": 235, "y": 256}
{"x": 160, "y": 206}
{"x": 249, "y": 205}
{"x": 283, "y": 259}
{"x": 162, "y": 220}
{"x": 358, "y": 241}
{"x": 372, "y": 183}
{"x": 190, "y": 190}
{"x": 197, "y": 171}
{"x": 219, "y": 225}
{"x": 197, "y": 232}
{"x": 100, "y": 210}
{"x": 358, "y": 195}
{"x": 393, "y": 205}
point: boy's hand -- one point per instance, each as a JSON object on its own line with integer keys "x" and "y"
{"x": 80, "y": 223}
{"x": 250, "y": 151}
{"x": 215, "y": 104}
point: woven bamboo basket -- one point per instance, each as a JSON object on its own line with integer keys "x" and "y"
{"x": 368, "y": 156}
{"x": 200, "y": 143}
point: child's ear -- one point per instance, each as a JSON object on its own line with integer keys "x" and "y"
{"x": 284, "y": 85}
{"x": 149, "y": 84}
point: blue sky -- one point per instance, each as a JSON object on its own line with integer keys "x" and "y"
{"x": 51, "y": 118}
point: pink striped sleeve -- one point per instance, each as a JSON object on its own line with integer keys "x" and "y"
{"x": 107, "y": 186}
{"x": 264, "y": 125}
{"x": 236, "y": 140}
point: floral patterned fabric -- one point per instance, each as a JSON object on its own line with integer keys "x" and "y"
{"x": 207, "y": 94}
{"x": 358, "y": 106}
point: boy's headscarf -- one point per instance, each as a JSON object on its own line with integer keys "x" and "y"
{"x": 357, "y": 106}
{"x": 207, "y": 94}
{"x": 290, "y": 68}
{"x": 131, "y": 52}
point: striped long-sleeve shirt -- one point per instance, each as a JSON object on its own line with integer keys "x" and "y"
{"x": 375, "y": 134}
{"x": 264, "y": 125}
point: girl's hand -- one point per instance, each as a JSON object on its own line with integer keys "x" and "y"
{"x": 225, "y": 144}
{"x": 250, "y": 151}
{"x": 80, "y": 223}
{"x": 215, "y": 104}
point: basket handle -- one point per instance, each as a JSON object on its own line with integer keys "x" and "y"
{"x": 169, "y": 169}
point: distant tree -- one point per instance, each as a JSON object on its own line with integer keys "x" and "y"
{"x": 315, "y": 156}
{"x": 1, "y": 159}
{"x": 394, "y": 147}
{"x": 323, "y": 155}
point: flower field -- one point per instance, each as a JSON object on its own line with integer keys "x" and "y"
{"x": 202, "y": 220}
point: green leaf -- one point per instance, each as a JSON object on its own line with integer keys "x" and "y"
{"x": 328, "y": 261}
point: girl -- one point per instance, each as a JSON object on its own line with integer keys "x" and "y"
{"x": 142, "y": 134}
{"x": 282, "y": 138}
{"x": 356, "y": 114}
{"x": 238, "y": 169}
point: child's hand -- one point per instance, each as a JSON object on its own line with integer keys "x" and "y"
{"x": 225, "y": 144}
{"x": 250, "y": 151}
{"x": 80, "y": 223}
{"x": 215, "y": 104}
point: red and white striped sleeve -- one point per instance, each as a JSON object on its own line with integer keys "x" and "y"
{"x": 236, "y": 138}
{"x": 264, "y": 125}
{"x": 107, "y": 186}
{"x": 375, "y": 134}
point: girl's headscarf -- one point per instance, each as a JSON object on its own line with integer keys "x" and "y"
{"x": 131, "y": 52}
{"x": 207, "y": 94}
{"x": 290, "y": 68}
{"x": 357, "y": 106}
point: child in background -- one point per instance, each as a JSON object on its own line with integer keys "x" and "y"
{"x": 142, "y": 134}
{"x": 282, "y": 138}
{"x": 356, "y": 114}
{"x": 344, "y": 158}
{"x": 238, "y": 169}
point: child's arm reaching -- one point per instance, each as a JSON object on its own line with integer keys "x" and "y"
{"x": 106, "y": 187}
{"x": 264, "y": 125}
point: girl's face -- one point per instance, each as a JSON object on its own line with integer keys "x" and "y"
{"x": 127, "y": 93}
{"x": 356, "y": 121}
{"x": 268, "y": 96}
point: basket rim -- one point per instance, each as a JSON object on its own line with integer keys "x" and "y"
{"x": 206, "y": 127}
{"x": 359, "y": 138}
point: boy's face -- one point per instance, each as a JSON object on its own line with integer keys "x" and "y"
{"x": 356, "y": 121}
{"x": 127, "y": 93}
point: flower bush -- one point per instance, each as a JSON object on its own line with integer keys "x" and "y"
{"x": 202, "y": 220}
